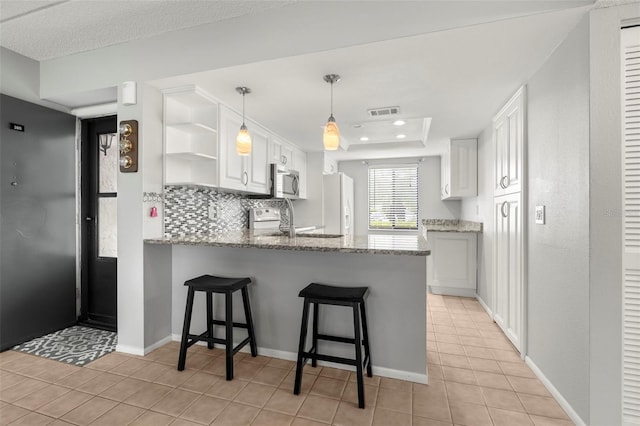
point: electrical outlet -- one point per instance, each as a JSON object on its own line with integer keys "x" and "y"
{"x": 214, "y": 211}
{"x": 540, "y": 216}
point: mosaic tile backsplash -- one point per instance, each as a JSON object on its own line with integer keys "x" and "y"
{"x": 186, "y": 211}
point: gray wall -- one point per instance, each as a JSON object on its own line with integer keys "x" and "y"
{"x": 558, "y": 252}
{"x": 429, "y": 204}
{"x": 20, "y": 78}
{"x": 277, "y": 277}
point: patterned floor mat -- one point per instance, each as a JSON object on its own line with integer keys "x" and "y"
{"x": 75, "y": 345}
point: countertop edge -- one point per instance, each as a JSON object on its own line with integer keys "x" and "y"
{"x": 178, "y": 241}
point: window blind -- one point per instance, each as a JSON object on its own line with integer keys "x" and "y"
{"x": 393, "y": 197}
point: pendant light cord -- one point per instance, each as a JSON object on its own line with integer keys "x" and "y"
{"x": 331, "y": 98}
{"x": 243, "y": 93}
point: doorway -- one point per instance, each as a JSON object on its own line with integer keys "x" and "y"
{"x": 99, "y": 212}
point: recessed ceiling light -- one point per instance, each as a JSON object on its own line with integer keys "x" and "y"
{"x": 399, "y": 123}
{"x": 364, "y": 139}
{"x": 401, "y": 136}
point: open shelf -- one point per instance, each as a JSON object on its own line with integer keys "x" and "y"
{"x": 191, "y": 156}
{"x": 192, "y": 128}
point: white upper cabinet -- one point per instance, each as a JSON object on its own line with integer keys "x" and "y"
{"x": 459, "y": 170}
{"x": 200, "y": 146}
{"x": 508, "y": 137}
{"x": 280, "y": 152}
{"x": 330, "y": 165}
{"x": 242, "y": 173}
{"x": 190, "y": 137}
{"x": 258, "y": 161}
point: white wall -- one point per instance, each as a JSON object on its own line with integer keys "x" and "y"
{"x": 429, "y": 204}
{"x": 135, "y": 318}
{"x": 309, "y": 212}
{"x": 480, "y": 209}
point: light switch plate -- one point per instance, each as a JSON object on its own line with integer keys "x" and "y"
{"x": 540, "y": 219}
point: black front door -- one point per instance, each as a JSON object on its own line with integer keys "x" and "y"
{"x": 99, "y": 215}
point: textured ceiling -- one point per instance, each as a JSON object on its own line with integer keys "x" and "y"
{"x": 458, "y": 77}
{"x": 453, "y": 61}
{"x": 49, "y": 29}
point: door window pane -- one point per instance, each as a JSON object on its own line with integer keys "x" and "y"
{"x": 108, "y": 157}
{"x": 107, "y": 227}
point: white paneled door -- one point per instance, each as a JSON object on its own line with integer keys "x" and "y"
{"x": 631, "y": 208}
{"x": 508, "y": 312}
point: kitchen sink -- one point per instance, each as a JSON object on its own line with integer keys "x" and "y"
{"x": 305, "y": 235}
{"x": 319, "y": 235}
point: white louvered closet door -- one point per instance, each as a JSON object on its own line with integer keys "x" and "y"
{"x": 631, "y": 258}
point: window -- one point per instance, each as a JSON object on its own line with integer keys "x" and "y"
{"x": 393, "y": 197}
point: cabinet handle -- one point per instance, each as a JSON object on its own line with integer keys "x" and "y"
{"x": 283, "y": 159}
{"x": 295, "y": 185}
{"x": 504, "y": 204}
{"x": 245, "y": 178}
{"x": 504, "y": 182}
{"x": 446, "y": 189}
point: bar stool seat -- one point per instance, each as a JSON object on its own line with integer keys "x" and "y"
{"x": 323, "y": 294}
{"x": 335, "y": 293}
{"x": 212, "y": 284}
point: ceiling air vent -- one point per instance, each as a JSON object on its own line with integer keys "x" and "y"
{"x": 383, "y": 112}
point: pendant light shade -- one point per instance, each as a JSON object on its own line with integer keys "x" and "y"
{"x": 331, "y": 134}
{"x": 243, "y": 140}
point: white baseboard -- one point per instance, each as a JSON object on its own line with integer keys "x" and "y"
{"x": 158, "y": 344}
{"x": 556, "y": 394}
{"x": 133, "y": 350}
{"x": 484, "y": 305}
{"x": 453, "y": 291}
{"x": 293, "y": 356}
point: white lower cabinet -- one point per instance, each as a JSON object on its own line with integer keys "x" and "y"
{"x": 451, "y": 267}
{"x": 508, "y": 272}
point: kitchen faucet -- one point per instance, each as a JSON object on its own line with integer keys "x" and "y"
{"x": 292, "y": 229}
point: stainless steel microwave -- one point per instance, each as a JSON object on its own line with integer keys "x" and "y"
{"x": 285, "y": 183}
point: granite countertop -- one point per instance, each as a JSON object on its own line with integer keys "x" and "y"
{"x": 411, "y": 245}
{"x": 451, "y": 225}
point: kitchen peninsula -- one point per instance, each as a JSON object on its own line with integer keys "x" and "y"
{"x": 392, "y": 266}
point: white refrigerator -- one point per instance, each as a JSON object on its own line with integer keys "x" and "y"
{"x": 338, "y": 204}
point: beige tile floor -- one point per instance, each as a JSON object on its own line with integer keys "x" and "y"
{"x": 476, "y": 378}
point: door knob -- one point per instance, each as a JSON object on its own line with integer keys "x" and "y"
{"x": 88, "y": 219}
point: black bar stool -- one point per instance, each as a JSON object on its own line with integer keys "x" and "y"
{"x": 227, "y": 286}
{"x": 321, "y": 294}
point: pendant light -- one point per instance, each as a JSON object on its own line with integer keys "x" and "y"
{"x": 243, "y": 140}
{"x": 331, "y": 134}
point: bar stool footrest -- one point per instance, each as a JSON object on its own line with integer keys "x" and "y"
{"x": 320, "y": 357}
{"x": 235, "y": 324}
{"x": 336, "y": 339}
